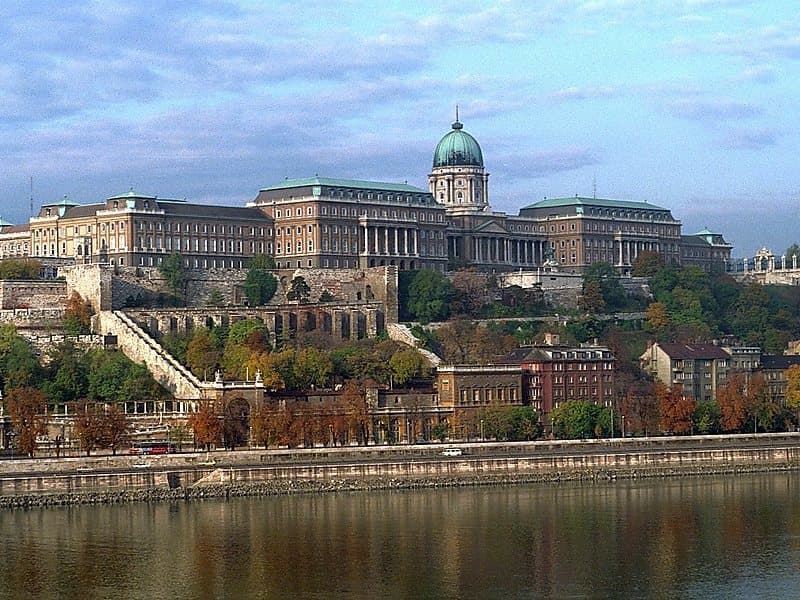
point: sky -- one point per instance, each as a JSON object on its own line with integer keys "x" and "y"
{"x": 691, "y": 105}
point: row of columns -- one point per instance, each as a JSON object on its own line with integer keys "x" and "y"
{"x": 490, "y": 249}
{"x": 396, "y": 241}
{"x": 628, "y": 251}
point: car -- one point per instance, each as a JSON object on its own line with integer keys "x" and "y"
{"x": 452, "y": 452}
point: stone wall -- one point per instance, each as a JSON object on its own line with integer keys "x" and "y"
{"x": 92, "y": 282}
{"x": 33, "y": 318}
{"x": 32, "y": 294}
{"x": 43, "y": 342}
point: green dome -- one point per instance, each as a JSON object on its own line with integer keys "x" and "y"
{"x": 457, "y": 148}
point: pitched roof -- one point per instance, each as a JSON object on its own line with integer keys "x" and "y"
{"x": 779, "y": 361}
{"x": 601, "y": 202}
{"x": 694, "y": 351}
{"x": 345, "y": 183}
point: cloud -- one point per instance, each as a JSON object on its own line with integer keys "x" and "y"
{"x": 535, "y": 164}
{"x": 582, "y": 93}
{"x": 751, "y": 139}
{"x": 757, "y": 74}
{"x": 703, "y": 109}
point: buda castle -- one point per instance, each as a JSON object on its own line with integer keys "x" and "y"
{"x": 326, "y": 223}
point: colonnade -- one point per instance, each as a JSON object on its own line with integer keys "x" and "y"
{"x": 498, "y": 250}
{"x": 627, "y": 251}
{"x": 390, "y": 240}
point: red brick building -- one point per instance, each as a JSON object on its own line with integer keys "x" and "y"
{"x": 554, "y": 373}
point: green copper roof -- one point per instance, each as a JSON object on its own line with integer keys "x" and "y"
{"x": 457, "y": 148}
{"x": 345, "y": 183}
{"x": 131, "y": 194}
{"x": 598, "y": 202}
{"x": 4, "y": 223}
{"x": 64, "y": 202}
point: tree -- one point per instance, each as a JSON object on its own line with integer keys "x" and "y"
{"x": 647, "y": 264}
{"x": 12, "y": 268}
{"x": 576, "y": 419}
{"x": 407, "y": 364}
{"x": 202, "y": 353}
{"x": 591, "y": 299}
{"x": 68, "y": 374}
{"x": 172, "y": 269}
{"x": 354, "y": 402}
{"x": 215, "y": 298}
{"x": 298, "y": 290}
{"x": 312, "y": 368}
{"x": 114, "y": 429}
{"x": 793, "y": 250}
{"x": 657, "y": 317}
{"x": 88, "y": 426}
{"x": 470, "y": 293}
{"x": 676, "y": 409}
{"x": 19, "y": 366}
{"x": 206, "y": 425}
{"x": 260, "y": 284}
{"x": 792, "y": 375}
{"x": 706, "y": 417}
{"x": 604, "y": 275}
{"x": 77, "y": 315}
{"x": 732, "y": 403}
{"x": 26, "y": 406}
{"x": 429, "y": 296}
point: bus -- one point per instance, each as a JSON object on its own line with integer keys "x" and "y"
{"x": 153, "y": 447}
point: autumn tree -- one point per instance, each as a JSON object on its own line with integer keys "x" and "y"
{"x": 792, "y": 375}
{"x": 470, "y": 293}
{"x": 354, "y": 403}
{"x": 647, "y": 264}
{"x": 77, "y": 315}
{"x": 732, "y": 401}
{"x": 88, "y": 426}
{"x": 206, "y": 425}
{"x": 638, "y": 404}
{"x": 657, "y": 316}
{"x": 114, "y": 429}
{"x": 202, "y": 353}
{"x": 26, "y": 407}
{"x": 676, "y": 409}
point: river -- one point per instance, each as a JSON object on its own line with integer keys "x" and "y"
{"x": 735, "y": 537}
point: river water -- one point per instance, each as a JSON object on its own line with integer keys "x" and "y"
{"x": 736, "y": 537}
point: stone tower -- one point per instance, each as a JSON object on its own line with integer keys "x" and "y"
{"x": 458, "y": 179}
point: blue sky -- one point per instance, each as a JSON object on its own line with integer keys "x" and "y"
{"x": 688, "y": 104}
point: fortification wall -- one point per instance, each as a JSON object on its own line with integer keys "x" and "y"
{"x": 146, "y": 287}
{"x": 33, "y": 318}
{"x": 32, "y": 294}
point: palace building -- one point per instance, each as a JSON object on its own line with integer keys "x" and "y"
{"x": 321, "y": 222}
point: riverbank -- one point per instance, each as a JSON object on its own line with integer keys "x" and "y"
{"x": 231, "y": 482}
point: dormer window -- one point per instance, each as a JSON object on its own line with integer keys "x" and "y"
{"x": 147, "y": 204}
{"x": 116, "y": 203}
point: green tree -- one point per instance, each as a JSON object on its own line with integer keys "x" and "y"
{"x": 173, "y": 271}
{"x": 312, "y": 367}
{"x": 706, "y": 417}
{"x": 260, "y": 284}
{"x": 298, "y": 290}
{"x": 575, "y": 419}
{"x": 793, "y": 250}
{"x": 215, "y": 298}
{"x": 12, "y": 268}
{"x": 19, "y": 366}
{"x": 68, "y": 374}
{"x": 429, "y": 296}
{"x": 407, "y": 364}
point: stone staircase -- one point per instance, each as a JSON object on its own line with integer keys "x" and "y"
{"x": 140, "y": 347}
{"x": 401, "y": 333}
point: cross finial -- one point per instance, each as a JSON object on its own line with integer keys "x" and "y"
{"x": 456, "y": 112}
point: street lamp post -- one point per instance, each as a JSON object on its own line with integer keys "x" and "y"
{"x": 482, "y": 438}
{"x": 623, "y": 425}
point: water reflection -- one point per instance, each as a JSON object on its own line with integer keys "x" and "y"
{"x": 721, "y": 537}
